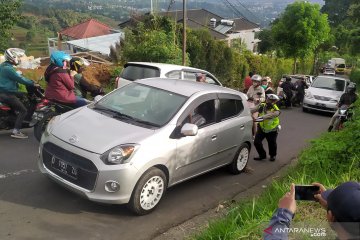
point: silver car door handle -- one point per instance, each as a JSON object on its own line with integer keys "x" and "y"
{"x": 242, "y": 127}
{"x": 213, "y": 137}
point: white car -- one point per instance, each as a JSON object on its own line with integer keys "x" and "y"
{"x": 324, "y": 93}
{"x": 329, "y": 71}
{"x": 139, "y": 70}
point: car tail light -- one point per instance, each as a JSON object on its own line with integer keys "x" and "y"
{"x": 42, "y": 104}
{"x": 4, "y": 108}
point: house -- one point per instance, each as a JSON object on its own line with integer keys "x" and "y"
{"x": 90, "y": 35}
{"x": 219, "y": 28}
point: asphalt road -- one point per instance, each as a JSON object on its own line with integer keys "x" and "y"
{"x": 33, "y": 207}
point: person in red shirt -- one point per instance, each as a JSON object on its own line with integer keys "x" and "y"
{"x": 60, "y": 84}
{"x": 248, "y": 82}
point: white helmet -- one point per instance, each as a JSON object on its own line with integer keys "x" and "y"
{"x": 272, "y": 97}
{"x": 12, "y": 55}
{"x": 256, "y": 78}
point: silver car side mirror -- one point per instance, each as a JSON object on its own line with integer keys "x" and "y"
{"x": 97, "y": 98}
{"x": 189, "y": 129}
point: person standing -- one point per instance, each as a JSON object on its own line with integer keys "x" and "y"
{"x": 9, "y": 88}
{"x": 269, "y": 125}
{"x": 247, "y": 82}
{"x": 288, "y": 87}
{"x": 256, "y": 95}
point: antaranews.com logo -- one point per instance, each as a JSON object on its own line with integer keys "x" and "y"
{"x": 313, "y": 232}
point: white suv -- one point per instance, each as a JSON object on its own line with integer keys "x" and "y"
{"x": 139, "y": 70}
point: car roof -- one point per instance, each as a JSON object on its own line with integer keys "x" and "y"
{"x": 185, "y": 87}
{"x": 327, "y": 76}
{"x": 166, "y": 66}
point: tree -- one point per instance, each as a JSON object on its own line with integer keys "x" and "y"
{"x": 267, "y": 43}
{"x": 9, "y": 15}
{"x": 336, "y": 10}
{"x": 300, "y": 30}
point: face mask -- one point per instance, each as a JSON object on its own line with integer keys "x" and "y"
{"x": 269, "y": 105}
{"x": 255, "y": 84}
{"x": 264, "y": 86}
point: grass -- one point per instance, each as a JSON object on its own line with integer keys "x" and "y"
{"x": 331, "y": 159}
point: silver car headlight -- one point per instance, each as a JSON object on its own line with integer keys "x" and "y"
{"x": 119, "y": 155}
{"x": 309, "y": 95}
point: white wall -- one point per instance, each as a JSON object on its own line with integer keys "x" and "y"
{"x": 247, "y": 36}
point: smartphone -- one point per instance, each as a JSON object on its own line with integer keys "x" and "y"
{"x": 306, "y": 192}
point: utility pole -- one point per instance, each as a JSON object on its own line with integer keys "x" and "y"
{"x": 184, "y": 34}
{"x": 151, "y": 7}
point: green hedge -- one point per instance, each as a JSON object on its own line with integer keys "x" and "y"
{"x": 355, "y": 75}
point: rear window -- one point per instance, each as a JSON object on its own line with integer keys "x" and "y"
{"x": 134, "y": 72}
{"x": 341, "y": 66}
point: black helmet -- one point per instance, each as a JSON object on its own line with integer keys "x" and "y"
{"x": 351, "y": 87}
{"x": 76, "y": 63}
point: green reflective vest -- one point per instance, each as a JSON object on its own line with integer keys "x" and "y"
{"x": 269, "y": 125}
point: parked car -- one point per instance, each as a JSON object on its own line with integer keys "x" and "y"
{"x": 329, "y": 71}
{"x": 340, "y": 69}
{"x": 324, "y": 93}
{"x": 123, "y": 151}
{"x": 140, "y": 70}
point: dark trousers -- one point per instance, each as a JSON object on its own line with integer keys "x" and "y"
{"x": 288, "y": 99}
{"x": 270, "y": 138}
{"x": 13, "y": 101}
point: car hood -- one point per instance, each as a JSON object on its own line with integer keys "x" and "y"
{"x": 325, "y": 92}
{"x": 96, "y": 132}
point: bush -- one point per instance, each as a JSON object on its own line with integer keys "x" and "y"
{"x": 355, "y": 75}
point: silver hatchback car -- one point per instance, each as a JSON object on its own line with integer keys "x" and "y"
{"x": 151, "y": 134}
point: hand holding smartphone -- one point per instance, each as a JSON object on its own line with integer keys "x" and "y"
{"x": 306, "y": 192}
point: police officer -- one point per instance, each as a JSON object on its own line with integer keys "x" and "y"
{"x": 269, "y": 125}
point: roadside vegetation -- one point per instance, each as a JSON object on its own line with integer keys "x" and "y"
{"x": 331, "y": 159}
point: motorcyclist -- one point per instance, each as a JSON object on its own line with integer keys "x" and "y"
{"x": 61, "y": 85}
{"x": 256, "y": 95}
{"x": 347, "y": 98}
{"x": 269, "y": 125}
{"x": 82, "y": 86}
{"x": 9, "y": 88}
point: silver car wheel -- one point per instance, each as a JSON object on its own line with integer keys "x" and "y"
{"x": 242, "y": 159}
{"x": 151, "y": 192}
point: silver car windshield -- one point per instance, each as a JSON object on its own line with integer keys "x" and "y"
{"x": 329, "y": 83}
{"x": 141, "y": 104}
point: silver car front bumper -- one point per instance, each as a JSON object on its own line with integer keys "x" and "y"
{"x": 92, "y": 173}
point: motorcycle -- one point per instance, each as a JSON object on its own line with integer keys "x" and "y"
{"x": 30, "y": 101}
{"x": 45, "y": 111}
{"x": 345, "y": 114}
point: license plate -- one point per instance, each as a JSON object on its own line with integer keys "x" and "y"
{"x": 64, "y": 167}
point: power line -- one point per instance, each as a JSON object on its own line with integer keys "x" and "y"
{"x": 247, "y": 9}
{"x": 233, "y": 8}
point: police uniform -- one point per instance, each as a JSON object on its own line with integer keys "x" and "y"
{"x": 268, "y": 129}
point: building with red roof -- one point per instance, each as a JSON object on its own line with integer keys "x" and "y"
{"x": 90, "y": 28}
